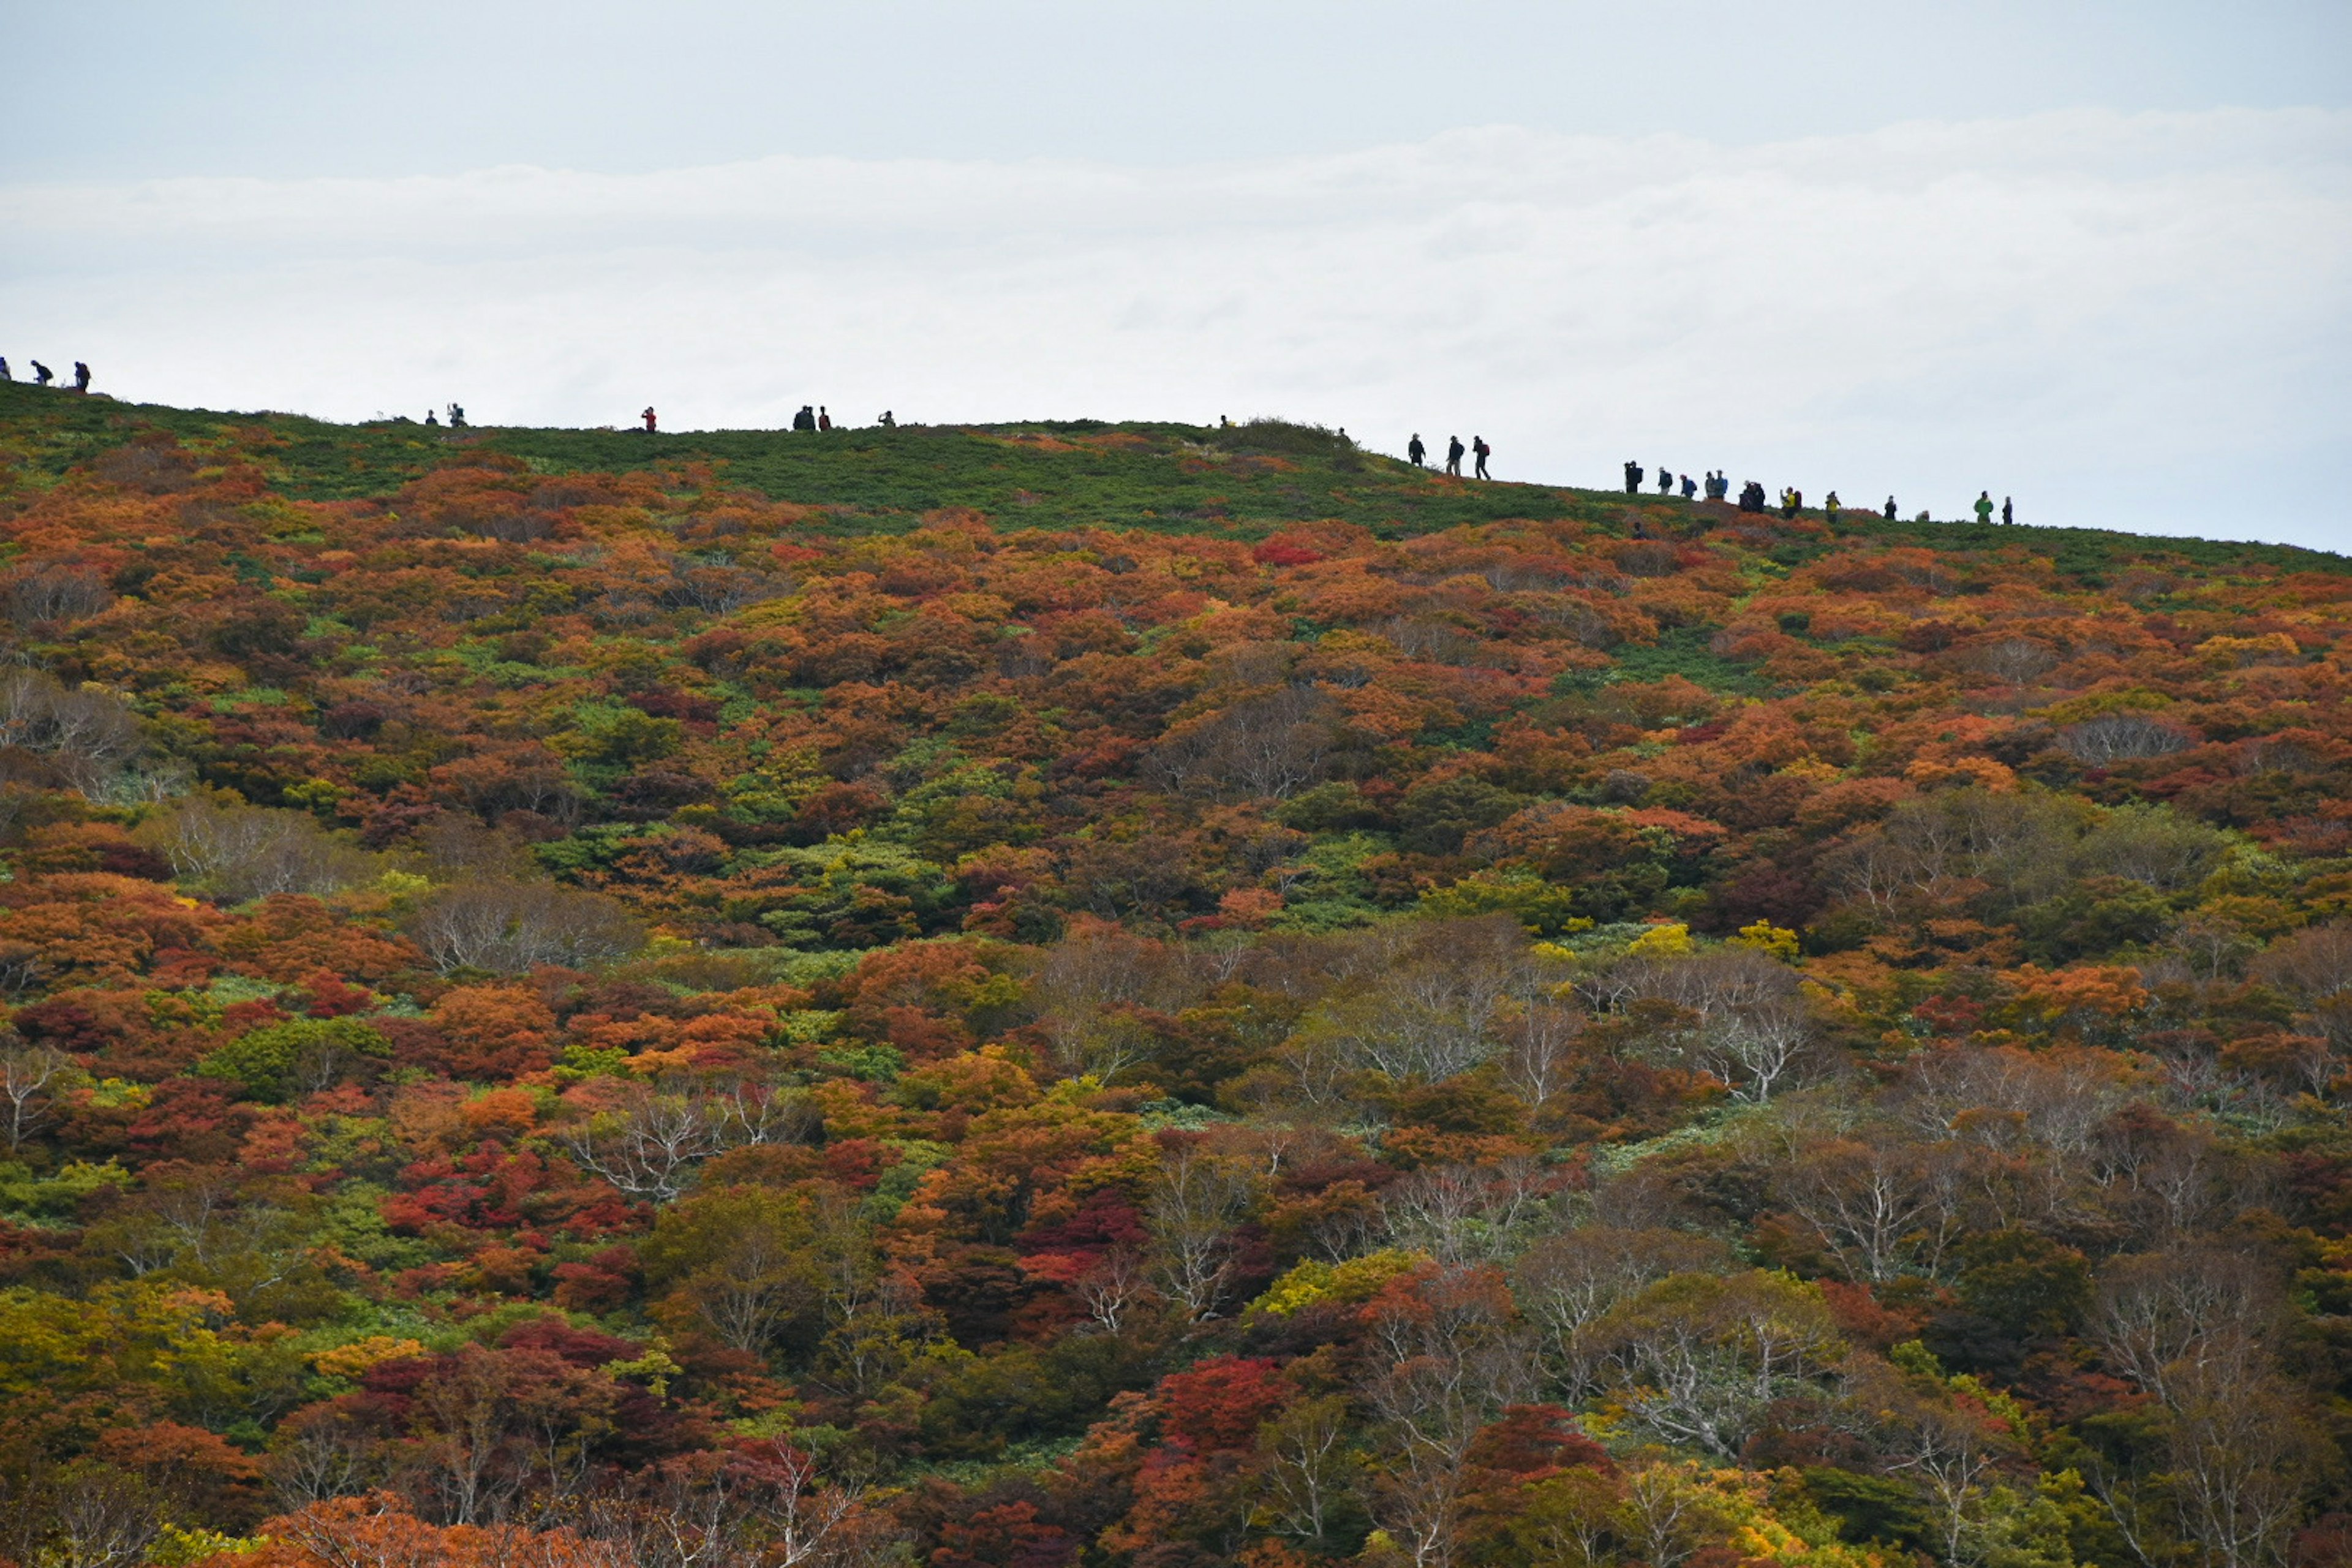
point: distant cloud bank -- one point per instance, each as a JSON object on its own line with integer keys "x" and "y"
{"x": 2129, "y": 321}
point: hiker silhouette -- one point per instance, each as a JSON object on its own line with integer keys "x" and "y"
{"x": 1633, "y": 479}
{"x": 82, "y": 377}
{"x": 1690, "y": 488}
{"x": 1415, "y": 451}
{"x": 2007, "y": 511}
{"x": 1890, "y": 509}
{"x": 806, "y": 418}
{"x": 5, "y": 374}
{"x": 823, "y": 420}
{"x": 887, "y": 422}
{"x": 1666, "y": 482}
{"x": 42, "y": 374}
{"x": 1453, "y": 451}
{"x": 432, "y": 418}
{"x": 456, "y": 417}
{"x": 1984, "y": 506}
{"x": 1479, "y": 445}
{"x": 649, "y": 417}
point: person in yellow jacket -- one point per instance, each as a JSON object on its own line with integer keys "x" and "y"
{"x": 1984, "y": 506}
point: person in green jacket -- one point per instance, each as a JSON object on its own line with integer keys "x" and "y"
{"x": 1984, "y": 506}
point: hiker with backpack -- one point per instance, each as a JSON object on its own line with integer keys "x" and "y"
{"x": 82, "y": 377}
{"x": 1890, "y": 509}
{"x": 1633, "y": 479}
{"x": 1479, "y": 445}
{"x": 42, "y": 374}
{"x": 1414, "y": 451}
{"x": 1453, "y": 451}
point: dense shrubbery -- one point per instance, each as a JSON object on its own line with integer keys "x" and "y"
{"x": 566, "y": 1003}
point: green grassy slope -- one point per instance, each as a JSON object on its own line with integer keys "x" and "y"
{"x": 1244, "y": 483}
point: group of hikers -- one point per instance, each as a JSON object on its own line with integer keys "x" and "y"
{"x": 1793, "y": 500}
{"x": 456, "y": 417}
{"x": 1454, "y": 451}
{"x": 817, "y": 417}
{"x": 43, "y": 375}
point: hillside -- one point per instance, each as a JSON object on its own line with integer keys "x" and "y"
{"x": 1134, "y": 994}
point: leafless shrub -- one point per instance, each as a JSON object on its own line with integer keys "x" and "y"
{"x": 151, "y": 464}
{"x": 649, "y": 1144}
{"x": 31, "y": 1076}
{"x": 238, "y": 852}
{"x": 2122, "y": 737}
{"x": 717, "y": 588}
{"x": 86, "y": 735}
{"x": 54, "y": 593}
{"x": 1648, "y": 558}
{"x": 1570, "y": 1282}
{"x": 1432, "y": 640}
{"x": 2013, "y": 660}
{"x": 511, "y": 927}
{"x": 1267, "y": 746}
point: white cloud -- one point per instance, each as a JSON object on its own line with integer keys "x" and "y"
{"x": 2123, "y": 320}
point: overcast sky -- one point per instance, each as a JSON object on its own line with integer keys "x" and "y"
{"x": 2096, "y": 255}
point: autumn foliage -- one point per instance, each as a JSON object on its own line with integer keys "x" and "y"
{"x": 571, "y": 1005}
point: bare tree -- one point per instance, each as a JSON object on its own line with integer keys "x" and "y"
{"x": 2120, "y": 737}
{"x": 1265, "y": 746}
{"x": 1462, "y": 1214}
{"x": 1883, "y": 1206}
{"x": 649, "y": 1144}
{"x": 86, "y": 733}
{"x": 1570, "y": 1282}
{"x": 54, "y": 593}
{"x": 1195, "y": 1200}
{"x": 1449, "y": 1369}
{"x": 31, "y": 1076}
{"x": 1309, "y": 1466}
{"x": 239, "y": 852}
{"x": 1699, "y": 1360}
{"x": 511, "y": 927}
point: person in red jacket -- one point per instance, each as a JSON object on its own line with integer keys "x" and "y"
{"x": 649, "y": 419}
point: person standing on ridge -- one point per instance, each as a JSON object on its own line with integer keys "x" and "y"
{"x": 1984, "y": 506}
{"x": 649, "y": 417}
{"x": 1415, "y": 452}
{"x": 1632, "y": 477}
{"x": 82, "y": 377}
{"x": 42, "y": 374}
{"x": 805, "y": 419}
{"x": 2007, "y": 511}
{"x": 457, "y": 417}
{"x": 1890, "y": 509}
{"x": 5, "y": 374}
{"x": 432, "y": 418}
{"x": 1453, "y": 451}
{"x": 888, "y": 421}
{"x": 823, "y": 420}
{"x": 1831, "y": 506}
{"x": 1690, "y": 488}
{"x": 1479, "y": 445}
